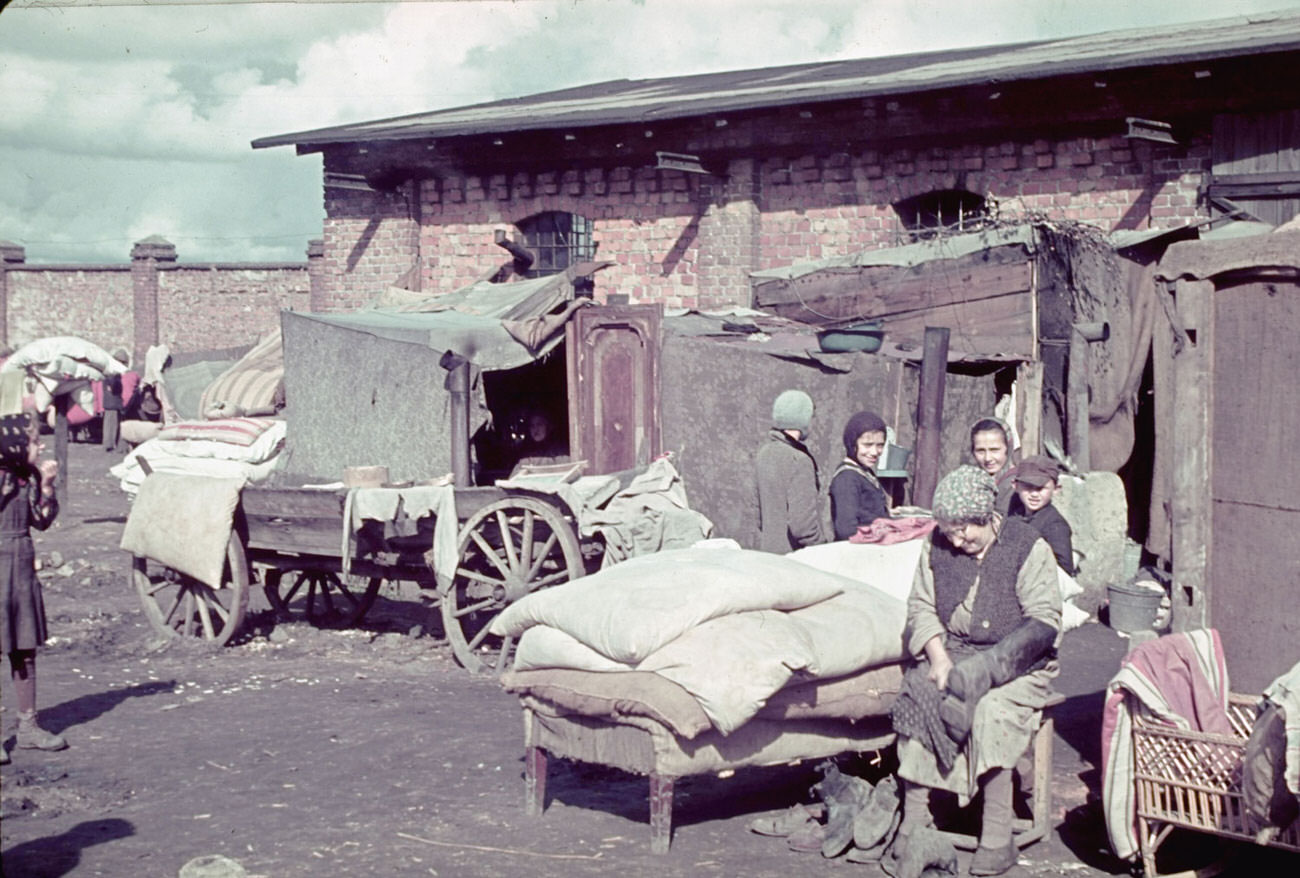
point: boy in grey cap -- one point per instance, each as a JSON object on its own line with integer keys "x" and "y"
{"x": 1036, "y": 485}
{"x": 789, "y": 514}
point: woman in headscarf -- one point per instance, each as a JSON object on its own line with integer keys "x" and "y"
{"x": 984, "y": 619}
{"x": 990, "y": 445}
{"x": 26, "y": 500}
{"x": 856, "y": 495}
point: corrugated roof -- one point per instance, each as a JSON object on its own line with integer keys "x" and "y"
{"x": 626, "y": 101}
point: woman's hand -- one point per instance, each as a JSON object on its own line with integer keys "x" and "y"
{"x": 939, "y": 671}
{"x": 940, "y": 662}
{"x": 49, "y": 470}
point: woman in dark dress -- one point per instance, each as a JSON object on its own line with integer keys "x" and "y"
{"x": 26, "y": 500}
{"x": 857, "y": 498}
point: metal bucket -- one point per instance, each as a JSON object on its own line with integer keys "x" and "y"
{"x": 1133, "y": 607}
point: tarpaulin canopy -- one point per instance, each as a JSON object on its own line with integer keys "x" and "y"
{"x": 496, "y": 326}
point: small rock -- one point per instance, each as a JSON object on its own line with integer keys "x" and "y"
{"x": 212, "y": 866}
{"x": 278, "y": 635}
{"x": 56, "y": 559}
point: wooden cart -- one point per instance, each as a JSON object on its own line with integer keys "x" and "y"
{"x": 290, "y": 541}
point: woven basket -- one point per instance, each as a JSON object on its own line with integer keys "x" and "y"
{"x": 1193, "y": 780}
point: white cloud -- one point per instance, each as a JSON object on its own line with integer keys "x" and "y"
{"x": 117, "y": 123}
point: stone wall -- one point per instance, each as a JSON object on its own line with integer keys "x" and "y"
{"x": 151, "y": 299}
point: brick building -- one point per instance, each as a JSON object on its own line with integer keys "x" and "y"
{"x": 687, "y": 184}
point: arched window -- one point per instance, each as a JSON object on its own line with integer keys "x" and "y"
{"x": 557, "y": 240}
{"x": 943, "y": 210}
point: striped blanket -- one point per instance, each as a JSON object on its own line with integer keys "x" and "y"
{"x": 252, "y": 383}
{"x": 1179, "y": 680}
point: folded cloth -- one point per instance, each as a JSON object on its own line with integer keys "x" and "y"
{"x": 886, "y": 531}
{"x": 916, "y": 715}
{"x": 387, "y": 504}
{"x": 1285, "y": 693}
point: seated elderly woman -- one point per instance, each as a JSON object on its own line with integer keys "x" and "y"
{"x": 984, "y": 619}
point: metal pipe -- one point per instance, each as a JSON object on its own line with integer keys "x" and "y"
{"x": 929, "y": 414}
{"x": 457, "y": 385}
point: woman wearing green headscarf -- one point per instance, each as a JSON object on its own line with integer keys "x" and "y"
{"x": 983, "y": 621}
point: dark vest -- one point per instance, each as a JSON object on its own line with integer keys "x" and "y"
{"x": 997, "y": 610}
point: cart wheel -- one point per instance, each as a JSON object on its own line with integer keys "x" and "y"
{"x": 180, "y": 606}
{"x": 325, "y": 598}
{"x": 506, "y": 550}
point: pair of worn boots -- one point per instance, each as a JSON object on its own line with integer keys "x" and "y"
{"x": 856, "y": 814}
{"x": 31, "y": 736}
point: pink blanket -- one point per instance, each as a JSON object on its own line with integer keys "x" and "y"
{"x": 1179, "y": 680}
{"x": 886, "y": 531}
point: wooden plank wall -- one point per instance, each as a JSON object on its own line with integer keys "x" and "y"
{"x": 1256, "y": 163}
{"x": 1254, "y": 483}
{"x": 986, "y": 299}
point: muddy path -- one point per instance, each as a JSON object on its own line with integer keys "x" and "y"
{"x": 300, "y": 752}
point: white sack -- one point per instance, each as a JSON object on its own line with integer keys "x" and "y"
{"x": 545, "y": 647}
{"x": 628, "y": 611}
{"x": 888, "y": 568}
{"x": 732, "y": 664}
{"x": 861, "y": 628}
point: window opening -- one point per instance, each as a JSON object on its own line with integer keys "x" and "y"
{"x": 944, "y": 210}
{"x": 558, "y": 240}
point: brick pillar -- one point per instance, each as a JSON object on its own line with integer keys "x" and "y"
{"x": 10, "y": 254}
{"x": 729, "y": 235}
{"x": 316, "y": 274}
{"x": 145, "y": 256}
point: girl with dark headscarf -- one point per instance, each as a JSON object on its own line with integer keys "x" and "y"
{"x": 26, "y": 501}
{"x": 857, "y": 499}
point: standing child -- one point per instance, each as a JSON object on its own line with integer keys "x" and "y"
{"x": 26, "y": 501}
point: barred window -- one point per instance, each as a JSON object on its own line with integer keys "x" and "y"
{"x": 557, "y": 240}
{"x": 943, "y": 210}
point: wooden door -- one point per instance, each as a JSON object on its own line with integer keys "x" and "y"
{"x": 613, "y": 360}
{"x": 1254, "y": 551}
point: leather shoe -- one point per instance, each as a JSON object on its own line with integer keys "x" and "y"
{"x": 787, "y": 822}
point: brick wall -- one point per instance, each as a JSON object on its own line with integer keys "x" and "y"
{"x": 691, "y": 240}
{"x": 151, "y": 299}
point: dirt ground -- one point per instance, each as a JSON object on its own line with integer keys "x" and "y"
{"x": 370, "y": 752}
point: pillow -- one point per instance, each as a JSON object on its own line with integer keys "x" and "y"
{"x": 545, "y": 647}
{"x": 236, "y": 431}
{"x": 866, "y": 693}
{"x": 861, "y": 628}
{"x": 627, "y": 611}
{"x": 733, "y": 664}
{"x": 183, "y": 522}
{"x": 614, "y": 695}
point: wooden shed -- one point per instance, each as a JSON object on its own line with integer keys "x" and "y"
{"x": 1235, "y": 420}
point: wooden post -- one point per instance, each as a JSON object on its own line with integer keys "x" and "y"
{"x": 61, "y": 403}
{"x": 1193, "y": 464}
{"x": 1029, "y": 378}
{"x": 534, "y": 781}
{"x": 1076, "y": 409}
{"x": 929, "y": 414}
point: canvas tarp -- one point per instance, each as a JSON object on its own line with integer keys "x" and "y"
{"x": 495, "y": 326}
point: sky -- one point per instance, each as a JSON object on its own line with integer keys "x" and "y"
{"x": 121, "y": 119}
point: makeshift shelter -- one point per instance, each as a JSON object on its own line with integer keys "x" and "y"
{"x": 370, "y": 387}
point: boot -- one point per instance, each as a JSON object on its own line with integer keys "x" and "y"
{"x": 997, "y": 851}
{"x": 971, "y": 678}
{"x": 842, "y": 810}
{"x": 873, "y": 822}
{"x": 32, "y": 737}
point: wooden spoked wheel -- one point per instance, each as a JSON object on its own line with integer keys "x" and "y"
{"x": 506, "y": 550}
{"x": 180, "y": 606}
{"x": 326, "y": 599}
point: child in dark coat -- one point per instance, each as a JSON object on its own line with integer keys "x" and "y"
{"x": 26, "y": 500}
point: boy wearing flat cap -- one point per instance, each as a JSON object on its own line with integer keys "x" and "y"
{"x": 1036, "y": 485}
